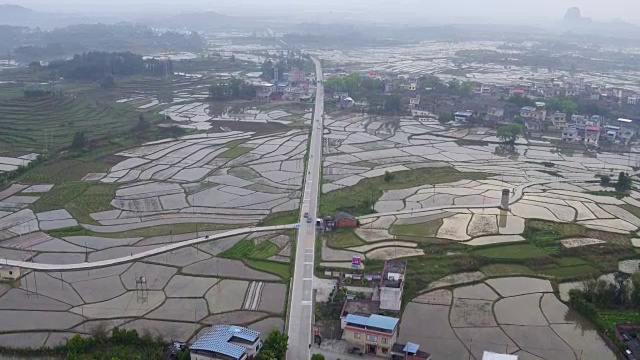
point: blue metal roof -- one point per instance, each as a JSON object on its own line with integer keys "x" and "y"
{"x": 377, "y": 321}
{"x": 218, "y": 337}
{"x": 411, "y": 348}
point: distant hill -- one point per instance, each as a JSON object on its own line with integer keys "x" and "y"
{"x": 204, "y": 21}
{"x": 574, "y": 21}
{"x": 15, "y": 14}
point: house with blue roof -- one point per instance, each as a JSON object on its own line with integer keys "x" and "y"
{"x": 372, "y": 334}
{"x": 226, "y": 342}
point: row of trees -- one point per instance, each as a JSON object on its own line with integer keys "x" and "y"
{"x": 233, "y": 89}
{"x": 95, "y": 66}
{"x": 65, "y": 41}
{"x": 622, "y": 293}
{"x": 122, "y": 344}
{"x": 366, "y": 89}
{"x": 567, "y": 105}
{"x": 284, "y": 63}
{"x": 623, "y": 184}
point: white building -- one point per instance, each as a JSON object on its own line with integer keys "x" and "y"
{"x": 487, "y": 355}
{"x": 9, "y": 272}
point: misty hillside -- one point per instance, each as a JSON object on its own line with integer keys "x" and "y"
{"x": 204, "y": 21}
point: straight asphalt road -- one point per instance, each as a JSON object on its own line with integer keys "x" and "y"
{"x": 301, "y": 305}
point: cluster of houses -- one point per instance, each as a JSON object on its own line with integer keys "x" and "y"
{"x": 489, "y": 106}
{"x": 295, "y": 86}
{"x": 371, "y": 326}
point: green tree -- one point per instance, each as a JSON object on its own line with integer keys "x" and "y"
{"x": 393, "y": 104}
{"x": 446, "y": 117}
{"x": 634, "y": 297}
{"x": 267, "y": 355}
{"x": 183, "y": 355}
{"x": 605, "y": 180}
{"x": 317, "y": 357}
{"x": 454, "y": 85}
{"x": 624, "y": 182}
{"x": 520, "y": 101}
{"x": 510, "y": 133}
{"x": 334, "y": 83}
{"x": 430, "y": 81}
{"x": 79, "y": 141}
{"x": 274, "y": 347}
{"x": 388, "y": 177}
{"x": 352, "y": 84}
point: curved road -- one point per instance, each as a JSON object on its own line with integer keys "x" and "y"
{"x": 142, "y": 255}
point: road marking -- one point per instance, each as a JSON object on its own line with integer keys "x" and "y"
{"x": 305, "y": 302}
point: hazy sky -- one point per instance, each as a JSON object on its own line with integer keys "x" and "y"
{"x": 426, "y": 11}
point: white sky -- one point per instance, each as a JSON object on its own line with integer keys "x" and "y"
{"x": 374, "y": 10}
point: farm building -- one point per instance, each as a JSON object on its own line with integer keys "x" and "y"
{"x": 9, "y": 273}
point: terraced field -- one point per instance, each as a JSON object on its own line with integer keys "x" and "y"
{"x": 50, "y": 122}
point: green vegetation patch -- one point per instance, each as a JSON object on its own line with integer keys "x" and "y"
{"x": 247, "y": 249}
{"x": 364, "y": 163}
{"x": 62, "y": 171}
{"x": 632, "y": 209}
{"x": 570, "y": 261}
{"x": 79, "y": 198}
{"x": 614, "y": 193}
{"x": 245, "y": 173}
{"x": 571, "y": 272}
{"x": 235, "y": 152}
{"x": 427, "y": 229}
{"x": 506, "y": 270}
{"x": 518, "y": 251}
{"x": 359, "y": 199}
{"x": 546, "y": 234}
{"x": 50, "y": 122}
{"x": 343, "y": 238}
{"x": 281, "y": 218}
{"x": 279, "y": 269}
{"x": 144, "y": 232}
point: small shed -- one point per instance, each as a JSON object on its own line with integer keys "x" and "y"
{"x": 345, "y": 220}
{"x": 9, "y": 272}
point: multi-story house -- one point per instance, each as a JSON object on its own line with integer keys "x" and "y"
{"x": 374, "y": 334}
{"x": 591, "y": 135}
{"x": 570, "y": 134}
{"x": 559, "y": 120}
{"x": 534, "y": 117}
{"x": 627, "y": 131}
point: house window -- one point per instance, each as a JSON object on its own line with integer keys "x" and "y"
{"x": 357, "y": 335}
{"x": 372, "y": 338}
{"x": 384, "y": 340}
{"x": 10, "y": 272}
{"x": 385, "y": 350}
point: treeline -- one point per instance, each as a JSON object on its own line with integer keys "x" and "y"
{"x": 567, "y": 105}
{"x": 96, "y": 66}
{"x": 623, "y": 293}
{"x": 366, "y": 89}
{"x": 120, "y": 345}
{"x": 233, "y": 89}
{"x": 62, "y": 42}
{"x": 284, "y": 63}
